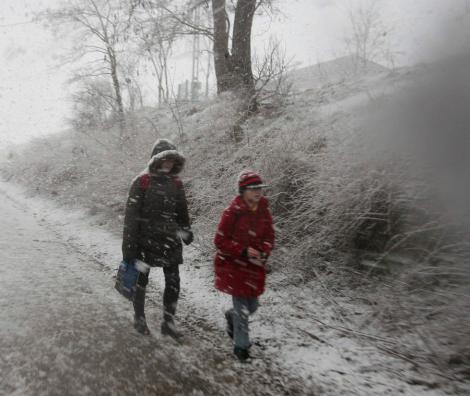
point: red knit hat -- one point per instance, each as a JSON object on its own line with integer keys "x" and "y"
{"x": 249, "y": 179}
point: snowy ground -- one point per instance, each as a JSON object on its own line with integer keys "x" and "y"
{"x": 65, "y": 331}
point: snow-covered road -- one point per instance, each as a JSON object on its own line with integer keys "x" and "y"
{"x": 63, "y": 330}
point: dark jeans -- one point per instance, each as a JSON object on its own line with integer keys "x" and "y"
{"x": 171, "y": 293}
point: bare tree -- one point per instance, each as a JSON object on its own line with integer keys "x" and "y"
{"x": 369, "y": 38}
{"x": 100, "y": 28}
{"x": 233, "y": 68}
{"x": 156, "y": 32}
{"x": 270, "y": 74}
{"x": 230, "y": 33}
{"x": 93, "y": 103}
{"x": 130, "y": 72}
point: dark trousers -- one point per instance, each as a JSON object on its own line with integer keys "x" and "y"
{"x": 170, "y": 295}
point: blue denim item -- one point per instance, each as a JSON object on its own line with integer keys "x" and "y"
{"x": 126, "y": 279}
{"x": 242, "y": 309}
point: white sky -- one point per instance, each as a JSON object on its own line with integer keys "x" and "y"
{"x": 33, "y": 90}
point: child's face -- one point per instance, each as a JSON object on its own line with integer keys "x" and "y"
{"x": 167, "y": 166}
{"x": 253, "y": 195}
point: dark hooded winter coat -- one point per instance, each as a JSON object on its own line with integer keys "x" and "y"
{"x": 239, "y": 229}
{"x": 156, "y": 212}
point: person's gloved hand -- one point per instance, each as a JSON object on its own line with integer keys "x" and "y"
{"x": 142, "y": 267}
{"x": 187, "y": 236}
{"x": 253, "y": 253}
{"x": 254, "y": 256}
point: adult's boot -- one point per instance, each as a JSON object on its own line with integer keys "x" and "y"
{"x": 168, "y": 325}
{"x": 140, "y": 324}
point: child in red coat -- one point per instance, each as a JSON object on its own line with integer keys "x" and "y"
{"x": 244, "y": 241}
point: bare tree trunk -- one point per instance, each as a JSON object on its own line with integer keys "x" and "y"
{"x": 159, "y": 76}
{"x": 113, "y": 67}
{"x": 241, "y": 44}
{"x": 161, "y": 91}
{"x": 140, "y": 97}
{"x": 208, "y": 73}
{"x": 223, "y": 70}
{"x": 117, "y": 91}
{"x": 234, "y": 71}
{"x": 164, "y": 62}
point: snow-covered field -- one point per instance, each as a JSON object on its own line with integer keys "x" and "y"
{"x": 64, "y": 329}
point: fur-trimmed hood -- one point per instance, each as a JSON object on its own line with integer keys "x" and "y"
{"x": 156, "y": 161}
{"x": 162, "y": 145}
{"x": 163, "y": 150}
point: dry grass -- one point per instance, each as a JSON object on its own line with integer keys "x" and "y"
{"x": 343, "y": 208}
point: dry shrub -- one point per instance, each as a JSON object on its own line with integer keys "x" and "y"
{"x": 335, "y": 196}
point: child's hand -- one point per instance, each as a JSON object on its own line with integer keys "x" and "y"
{"x": 253, "y": 253}
{"x": 258, "y": 262}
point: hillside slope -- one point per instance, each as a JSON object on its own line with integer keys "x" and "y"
{"x": 347, "y": 211}
{"x": 331, "y": 72}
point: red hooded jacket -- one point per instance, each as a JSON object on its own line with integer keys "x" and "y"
{"x": 240, "y": 228}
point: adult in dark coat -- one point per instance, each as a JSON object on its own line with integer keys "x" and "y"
{"x": 156, "y": 220}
